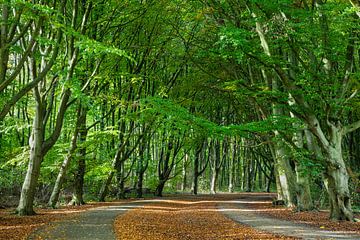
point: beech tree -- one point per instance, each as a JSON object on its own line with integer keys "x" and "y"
{"x": 108, "y": 99}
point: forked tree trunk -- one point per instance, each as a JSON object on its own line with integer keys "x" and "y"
{"x": 336, "y": 177}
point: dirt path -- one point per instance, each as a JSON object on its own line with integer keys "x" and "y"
{"x": 205, "y": 217}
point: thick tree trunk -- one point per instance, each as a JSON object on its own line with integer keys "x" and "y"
{"x": 36, "y": 156}
{"x": 287, "y": 179}
{"x": 336, "y": 177}
{"x": 159, "y": 189}
{"x": 80, "y": 172}
{"x": 304, "y": 199}
{"x": 336, "y": 182}
{"x": 77, "y": 198}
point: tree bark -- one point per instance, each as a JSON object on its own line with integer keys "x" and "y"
{"x": 36, "y": 156}
{"x": 81, "y": 164}
{"x": 54, "y": 198}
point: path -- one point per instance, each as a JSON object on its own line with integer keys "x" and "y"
{"x": 241, "y": 213}
{"x": 93, "y": 224}
{"x": 183, "y": 217}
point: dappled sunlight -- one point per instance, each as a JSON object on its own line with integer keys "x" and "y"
{"x": 20, "y": 226}
{"x": 65, "y": 212}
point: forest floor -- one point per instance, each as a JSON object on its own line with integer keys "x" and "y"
{"x": 14, "y": 227}
{"x": 175, "y": 217}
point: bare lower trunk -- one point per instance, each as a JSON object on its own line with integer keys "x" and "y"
{"x": 54, "y": 198}
{"x": 336, "y": 176}
{"x": 121, "y": 190}
{"x": 80, "y": 172}
{"x": 105, "y": 187}
{"x": 25, "y": 207}
{"x": 232, "y": 169}
{"x": 36, "y": 156}
{"x": 159, "y": 189}
{"x": 139, "y": 185}
{"x": 79, "y": 184}
{"x": 195, "y": 184}
{"x": 286, "y": 176}
{"x": 121, "y": 181}
{"x": 213, "y": 181}
{"x": 184, "y": 175}
{"x": 304, "y": 200}
{"x": 336, "y": 182}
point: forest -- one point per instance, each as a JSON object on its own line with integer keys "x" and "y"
{"x": 107, "y": 99}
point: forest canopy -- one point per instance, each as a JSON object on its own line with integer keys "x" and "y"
{"x": 110, "y": 99}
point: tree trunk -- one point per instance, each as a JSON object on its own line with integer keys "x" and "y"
{"x": 36, "y": 156}
{"x": 121, "y": 180}
{"x": 105, "y": 187}
{"x": 336, "y": 182}
{"x": 139, "y": 185}
{"x": 80, "y": 172}
{"x": 159, "y": 189}
{"x": 214, "y": 176}
{"x": 286, "y": 176}
{"x": 54, "y": 198}
{"x": 196, "y": 173}
{"x": 184, "y": 175}
{"x": 336, "y": 177}
{"x": 79, "y": 183}
{"x": 232, "y": 169}
{"x": 304, "y": 200}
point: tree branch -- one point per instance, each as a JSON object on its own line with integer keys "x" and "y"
{"x": 350, "y": 128}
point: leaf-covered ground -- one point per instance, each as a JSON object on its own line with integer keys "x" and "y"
{"x": 319, "y": 219}
{"x": 176, "y": 217}
{"x": 195, "y": 218}
{"x": 15, "y": 227}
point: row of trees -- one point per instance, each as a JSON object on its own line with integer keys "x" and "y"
{"x": 108, "y": 96}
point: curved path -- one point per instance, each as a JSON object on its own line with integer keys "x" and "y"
{"x": 239, "y": 212}
{"x": 94, "y": 224}
{"x": 99, "y": 223}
